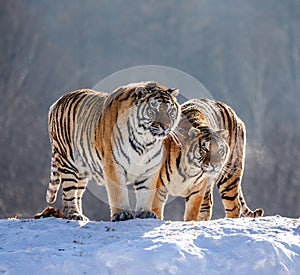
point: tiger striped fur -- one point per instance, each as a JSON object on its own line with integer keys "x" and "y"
{"x": 113, "y": 139}
{"x": 210, "y": 150}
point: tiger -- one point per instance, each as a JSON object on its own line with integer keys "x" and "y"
{"x": 209, "y": 150}
{"x": 113, "y": 139}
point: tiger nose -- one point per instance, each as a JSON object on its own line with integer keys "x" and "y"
{"x": 215, "y": 167}
{"x": 164, "y": 126}
{"x": 161, "y": 125}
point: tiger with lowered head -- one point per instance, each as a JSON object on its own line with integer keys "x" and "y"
{"x": 113, "y": 139}
{"x": 210, "y": 149}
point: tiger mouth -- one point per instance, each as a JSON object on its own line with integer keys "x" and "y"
{"x": 211, "y": 169}
{"x": 159, "y": 131}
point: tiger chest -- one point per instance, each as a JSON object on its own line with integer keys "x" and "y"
{"x": 137, "y": 163}
{"x": 181, "y": 186}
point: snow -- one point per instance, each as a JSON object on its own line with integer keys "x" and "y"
{"x": 269, "y": 245}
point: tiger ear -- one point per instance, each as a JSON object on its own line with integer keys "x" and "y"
{"x": 222, "y": 133}
{"x": 193, "y": 133}
{"x": 140, "y": 92}
{"x": 173, "y": 91}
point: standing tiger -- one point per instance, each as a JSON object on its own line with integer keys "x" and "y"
{"x": 114, "y": 139}
{"x": 209, "y": 149}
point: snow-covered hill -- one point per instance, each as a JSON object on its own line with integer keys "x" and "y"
{"x": 269, "y": 245}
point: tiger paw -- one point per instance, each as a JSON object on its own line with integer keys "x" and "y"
{"x": 146, "y": 215}
{"x": 122, "y": 216}
{"x": 76, "y": 217}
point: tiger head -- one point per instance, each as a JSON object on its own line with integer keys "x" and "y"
{"x": 158, "y": 112}
{"x": 207, "y": 149}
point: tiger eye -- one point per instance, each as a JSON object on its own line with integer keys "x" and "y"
{"x": 150, "y": 111}
{"x": 172, "y": 113}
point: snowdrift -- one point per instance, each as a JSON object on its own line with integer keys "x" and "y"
{"x": 269, "y": 245}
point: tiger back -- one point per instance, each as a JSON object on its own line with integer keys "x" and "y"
{"x": 210, "y": 150}
{"x": 114, "y": 139}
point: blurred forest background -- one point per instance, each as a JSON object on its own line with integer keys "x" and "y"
{"x": 246, "y": 53}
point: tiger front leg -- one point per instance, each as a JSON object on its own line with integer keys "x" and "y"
{"x": 193, "y": 203}
{"x": 118, "y": 197}
{"x": 145, "y": 192}
{"x": 160, "y": 198}
{"x": 195, "y": 199}
{"x": 206, "y": 207}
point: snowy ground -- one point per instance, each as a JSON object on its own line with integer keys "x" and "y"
{"x": 269, "y": 245}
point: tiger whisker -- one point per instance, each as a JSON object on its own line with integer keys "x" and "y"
{"x": 175, "y": 138}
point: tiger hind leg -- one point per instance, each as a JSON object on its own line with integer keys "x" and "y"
{"x": 234, "y": 202}
{"x": 64, "y": 173}
{"x": 73, "y": 189}
{"x": 82, "y": 183}
{"x": 229, "y": 191}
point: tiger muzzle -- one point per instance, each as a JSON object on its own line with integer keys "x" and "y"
{"x": 159, "y": 128}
